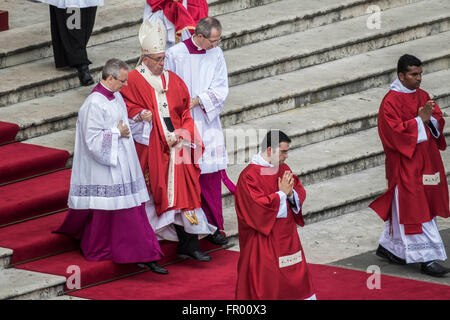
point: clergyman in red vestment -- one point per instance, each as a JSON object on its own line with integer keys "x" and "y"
{"x": 179, "y": 17}
{"x": 268, "y": 201}
{"x": 411, "y": 129}
{"x": 168, "y": 146}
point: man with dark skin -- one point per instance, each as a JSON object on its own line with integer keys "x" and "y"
{"x": 411, "y": 127}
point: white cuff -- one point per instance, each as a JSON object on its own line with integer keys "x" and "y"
{"x": 115, "y": 146}
{"x": 298, "y": 205}
{"x": 146, "y": 130}
{"x": 421, "y": 133}
{"x": 282, "y": 210}
{"x": 435, "y": 124}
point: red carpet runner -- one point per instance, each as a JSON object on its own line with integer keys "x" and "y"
{"x": 189, "y": 279}
{"x": 215, "y": 280}
{"x": 8, "y": 131}
{"x": 21, "y": 160}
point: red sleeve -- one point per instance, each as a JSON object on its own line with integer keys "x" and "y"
{"x": 176, "y": 13}
{"x": 298, "y": 187}
{"x": 437, "y": 114}
{"x": 255, "y": 208}
{"x": 395, "y": 133}
{"x": 132, "y": 100}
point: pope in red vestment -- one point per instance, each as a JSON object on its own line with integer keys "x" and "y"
{"x": 416, "y": 168}
{"x": 272, "y": 263}
{"x": 139, "y": 95}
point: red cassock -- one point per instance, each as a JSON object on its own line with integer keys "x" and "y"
{"x": 416, "y": 169}
{"x": 181, "y": 17}
{"x": 265, "y": 240}
{"x": 138, "y": 96}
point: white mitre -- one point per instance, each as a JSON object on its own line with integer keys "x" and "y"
{"x": 152, "y": 37}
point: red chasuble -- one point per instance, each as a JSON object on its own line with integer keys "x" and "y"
{"x": 271, "y": 264}
{"x": 138, "y": 96}
{"x": 416, "y": 169}
{"x": 176, "y": 13}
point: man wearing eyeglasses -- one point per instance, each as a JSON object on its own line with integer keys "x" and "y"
{"x": 168, "y": 146}
{"x": 201, "y": 64}
{"x": 107, "y": 188}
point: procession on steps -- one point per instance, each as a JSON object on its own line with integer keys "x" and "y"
{"x": 159, "y": 119}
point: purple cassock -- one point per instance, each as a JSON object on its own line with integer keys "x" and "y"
{"x": 122, "y": 235}
{"x": 210, "y": 184}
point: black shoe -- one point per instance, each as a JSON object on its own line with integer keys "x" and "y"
{"x": 197, "y": 255}
{"x": 84, "y": 75}
{"x": 384, "y": 253}
{"x": 217, "y": 238}
{"x": 154, "y": 267}
{"x": 434, "y": 269}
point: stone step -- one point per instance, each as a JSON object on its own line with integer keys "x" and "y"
{"x": 5, "y": 257}
{"x": 64, "y": 140}
{"x": 337, "y": 196}
{"x": 313, "y": 162}
{"x": 30, "y": 40}
{"x": 334, "y": 41}
{"x": 293, "y": 90}
{"x": 330, "y": 80}
{"x": 324, "y": 120}
{"x": 65, "y": 297}
{"x": 288, "y": 16}
{"x": 19, "y": 284}
{"x": 328, "y": 159}
{"x": 39, "y": 78}
{"x": 220, "y": 7}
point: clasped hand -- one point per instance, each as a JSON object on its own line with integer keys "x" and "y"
{"x": 173, "y": 141}
{"x": 124, "y": 130}
{"x": 286, "y": 183}
{"x": 426, "y": 111}
{"x": 145, "y": 116}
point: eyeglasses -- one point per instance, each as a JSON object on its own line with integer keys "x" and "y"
{"x": 123, "y": 81}
{"x": 214, "y": 41}
{"x": 158, "y": 60}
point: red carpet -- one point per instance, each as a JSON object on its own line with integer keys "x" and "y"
{"x": 97, "y": 271}
{"x": 215, "y": 280}
{"x": 8, "y": 131}
{"x": 33, "y": 197}
{"x": 21, "y": 160}
{"x": 33, "y": 239}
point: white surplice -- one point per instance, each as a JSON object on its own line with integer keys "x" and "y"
{"x": 423, "y": 247}
{"x": 106, "y": 173}
{"x": 170, "y": 27}
{"x": 206, "y": 77}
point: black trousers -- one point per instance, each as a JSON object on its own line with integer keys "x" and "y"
{"x": 188, "y": 242}
{"x": 69, "y": 44}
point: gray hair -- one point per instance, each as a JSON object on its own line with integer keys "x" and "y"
{"x": 205, "y": 26}
{"x": 112, "y": 68}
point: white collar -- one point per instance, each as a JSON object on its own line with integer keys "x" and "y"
{"x": 195, "y": 44}
{"x": 399, "y": 87}
{"x": 146, "y": 68}
{"x": 106, "y": 87}
{"x": 257, "y": 159}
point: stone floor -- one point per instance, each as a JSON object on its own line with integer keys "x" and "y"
{"x": 350, "y": 241}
